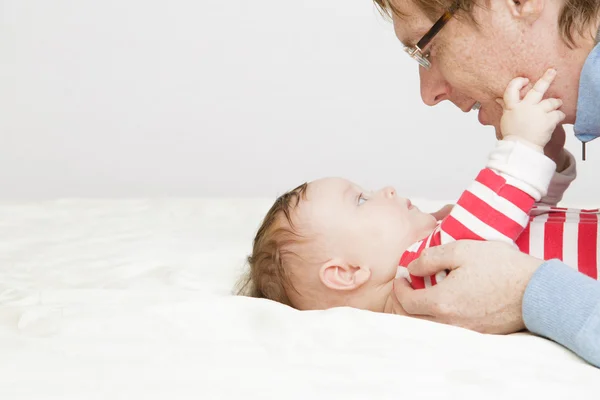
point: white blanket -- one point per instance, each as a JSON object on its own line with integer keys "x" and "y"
{"x": 130, "y": 299}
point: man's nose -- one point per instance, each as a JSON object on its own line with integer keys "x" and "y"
{"x": 434, "y": 88}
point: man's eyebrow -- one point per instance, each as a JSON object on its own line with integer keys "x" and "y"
{"x": 416, "y": 34}
{"x": 404, "y": 41}
{"x": 413, "y": 40}
{"x": 409, "y": 41}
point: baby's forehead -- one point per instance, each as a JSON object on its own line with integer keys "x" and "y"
{"x": 328, "y": 187}
{"x": 324, "y": 197}
{"x": 323, "y": 193}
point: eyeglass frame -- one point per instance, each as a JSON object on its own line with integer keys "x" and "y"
{"x": 416, "y": 52}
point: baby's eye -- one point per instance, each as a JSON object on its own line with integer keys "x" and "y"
{"x": 361, "y": 199}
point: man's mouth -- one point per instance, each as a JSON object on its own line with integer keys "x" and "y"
{"x": 476, "y": 106}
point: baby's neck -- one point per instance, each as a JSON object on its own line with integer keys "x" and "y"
{"x": 385, "y": 300}
{"x": 391, "y": 305}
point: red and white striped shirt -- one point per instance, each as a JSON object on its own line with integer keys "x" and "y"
{"x": 568, "y": 234}
{"x": 495, "y": 207}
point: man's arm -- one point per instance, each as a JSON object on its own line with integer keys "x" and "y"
{"x": 564, "y": 306}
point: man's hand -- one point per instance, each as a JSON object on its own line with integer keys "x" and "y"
{"x": 483, "y": 292}
{"x": 442, "y": 212}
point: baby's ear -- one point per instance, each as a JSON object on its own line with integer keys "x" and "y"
{"x": 337, "y": 274}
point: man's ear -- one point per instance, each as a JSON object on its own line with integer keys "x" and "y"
{"x": 337, "y": 274}
{"x": 528, "y": 10}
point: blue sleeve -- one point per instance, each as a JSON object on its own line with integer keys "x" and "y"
{"x": 563, "y": 305}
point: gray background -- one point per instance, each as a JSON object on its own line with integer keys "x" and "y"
{"x": 132, "y": 98}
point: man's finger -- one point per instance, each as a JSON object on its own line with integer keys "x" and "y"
{"x": 536, "y": 94}
{"x": 443, "y": 212}
{"x": 436, "y": 259}
{"x": 512, "y": 94}
{"x": 415, "y": 302}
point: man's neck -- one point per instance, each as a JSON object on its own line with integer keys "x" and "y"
{"x": 569, "y": 67}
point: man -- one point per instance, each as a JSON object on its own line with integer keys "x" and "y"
{"x": 468, "y": 57}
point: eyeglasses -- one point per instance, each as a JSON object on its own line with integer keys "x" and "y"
{"x": 416, "y": 52}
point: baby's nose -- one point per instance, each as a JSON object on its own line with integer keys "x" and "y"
{"x": 389, "y": 192}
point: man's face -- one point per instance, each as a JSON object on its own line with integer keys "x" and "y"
{"x": 474, "y": 63}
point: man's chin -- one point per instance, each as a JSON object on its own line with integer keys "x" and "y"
{"x": 498, "y": 133}
{"x": 485, "y": 122}
{"x": 496, "y": 129}
{"x": 487, "y": 114}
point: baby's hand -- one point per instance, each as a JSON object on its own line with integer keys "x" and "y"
{"x": 531, "y": 119}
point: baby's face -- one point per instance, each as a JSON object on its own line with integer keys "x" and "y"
{"x": 361, "y": 228}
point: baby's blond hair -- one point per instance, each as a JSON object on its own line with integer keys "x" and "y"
{"x": 269, "y": 276}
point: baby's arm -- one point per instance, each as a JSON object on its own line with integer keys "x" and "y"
{"x": 536, "y": 120}
{"x": 537, "y": 124}
{"x": 496, "y": 206}
{"x": 530, "y": 120}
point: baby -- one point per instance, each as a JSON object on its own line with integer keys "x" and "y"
{"x": 329, "y": 243}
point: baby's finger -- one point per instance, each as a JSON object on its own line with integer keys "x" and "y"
{"x": 512, "y": 94}
{"x": 536, "y": 94}
{"x": 501, "y": 102}
{"x": 551, "y": 104}
{"x": 556, "y": 117}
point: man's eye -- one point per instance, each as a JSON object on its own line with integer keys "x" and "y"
{"x": 427, "y": 54}
{"x": 361, "y": 199}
